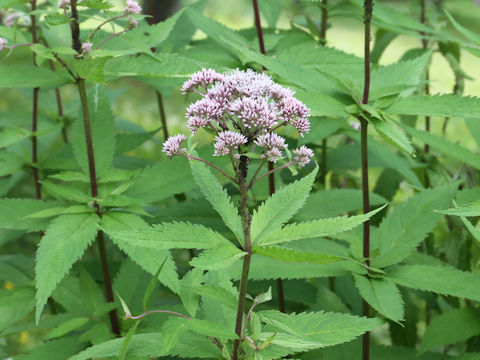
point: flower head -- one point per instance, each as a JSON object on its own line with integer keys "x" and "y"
{"x": 303, "y": 157}
{"x": 244, "y": 108}
{"x": 64, "y": 4}
{"x": 3, "y": 43}
{"x": 132, "y": 7}
{"x": 226, "y": 142}
{"x": 87, "y": 47}
{"x": 172, "y": 145}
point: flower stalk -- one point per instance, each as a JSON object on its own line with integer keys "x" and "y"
{"x": 368, "y": 9}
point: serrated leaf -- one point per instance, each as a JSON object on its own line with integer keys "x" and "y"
{"x": 217, "y": 197}
{"x": 57, "y": 19}
{"x": 403, "y": 229}
{"x": 472, "y": 209}
{"x": 217, "y": 258}
{"x": 126, "y": 342}
{"x": 318, "y": 329}
{"x": 475, "y": 38}
{"x": 393, "y": 134}
{"x": 443, "y": 280}
{"x": 189, "y": 297}
{"x": 53, "y": 350}
{"x": 289, "y": 255}
{"x": 280, "y": 207}
{"x": 65, "y": 192}
{"x": 445, "y": 147}
{"x": 149, "y": 259}
{"x": 465, "y": 321}
{"x": 14, "y": 213}
{"x": 383, "y": 295}
{"x": 151, "y": 285}
{"x": 64, "y": 242}
{"x": 164, "y": 236}
{"x": 12, "y": 135}
{"x": 454, "y": 106}
{"x": 103, "y": 133}
{"x": 316, "y": 228}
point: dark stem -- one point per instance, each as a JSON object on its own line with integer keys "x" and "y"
{"x": 368, "y": 7}
{"x": 76, "y": 45}
{"x": 323, "y": 41}
{"x": 107, "y": 280}
{"x": 281, "y": 296}
{"x": 58, "y": 97}
{"x": 258, "y": 25}
{"x": 163, "y": 117}
{"x": 247, "y": 247}
{"x": 427, "y": 75}
{"x": 36, "y": 177}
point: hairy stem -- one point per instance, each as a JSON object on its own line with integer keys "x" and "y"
{"x": 189, "y": 157}
{"x": 247, "y": 247}
{"x": 368, "y": 8}
{"x": 90, "y": 37}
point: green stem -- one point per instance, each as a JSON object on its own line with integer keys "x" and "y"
{"x": 247, "y": 247}
{"x": 368, "y": 8}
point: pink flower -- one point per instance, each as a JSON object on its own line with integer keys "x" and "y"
{"x": 228, "y": 141}
{"x": 303, "y": 157}
{"x": 271, "y": 144}
{"x": 202, "y": 78}
{"x": 172, "y": 145}
{"x": 132, "y": 23}
{"x": 87, "y": 47}
{"x": 64, "y": 4}
{"x": 3, "y": 43}
{"x": 132, "y": 7}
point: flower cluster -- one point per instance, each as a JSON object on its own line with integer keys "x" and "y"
{"x": 132, "y": 7}
{"x": 87, "y": 47}
{"x": 172, "y": 146}
{"x": 3, "y": 43}
{"x": 244, "y": 108}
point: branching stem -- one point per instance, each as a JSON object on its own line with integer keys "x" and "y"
{"x": 190, "y": 157}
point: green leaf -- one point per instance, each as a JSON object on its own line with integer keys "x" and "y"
{"x": 96, "y": 4}
{"x": 103, "y": 133}
{"x": 189, "y": 297}
{"x": 475, "y": 38}
{"x": 472, "y": 209}
{"x": 280, "y": 207}
{"x": 126, "y": 342}
{"x": 217, "y": 197}
{"x": 289, "y": 255}
{"x": 63, "y": 244}
{"x": 12, "y": 135}
{"x": 66, "y": 192}
{"x": 383, "y": 295}
{"x": 443, "y": 280}
{"x": 445, "y": 147}
{"x": 393, "y": 134}
{"x": 67, "y": 327}
{"x": 53, "y": 350}
{"x": 14, "y": 213}
{"x": 29, "y": 76}
{"x": 401, "y": 77}
{"x": 454, "y": 106}
{"x": 321, "y": 104}
{"x": 57, "y": 19}
{"x": 403, "y": 229}
{"x": 207, "y": 328}
{"x": 130, "y": 141}
{"x": 330, "y": 203}
{"x": 149, "y": 259}
{"x": 317, "y": 329}
{"x": 151, "y": 285}
{"x": 465, "y": 322}
{"x": 316, "y": 228}
{"x": 217, "y": 258}
{"x": 164, "y": 236}
{"x": 14, "y": 305}
{"x": 162, "y": 180}
{"x": 75, "y": 209}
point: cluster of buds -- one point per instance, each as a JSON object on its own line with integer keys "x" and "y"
{"x": 132, "y": 8}
{"x": 87, "y": 47}
{"x": 243, "y": 109}
{"x": 64, "y": 4}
